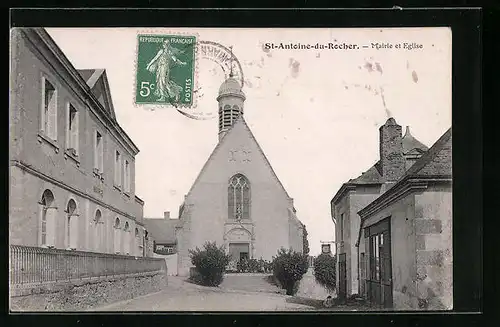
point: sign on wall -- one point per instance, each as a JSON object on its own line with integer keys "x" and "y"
{"x": 325, "y": 249}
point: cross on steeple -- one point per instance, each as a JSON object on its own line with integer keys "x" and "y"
{"x": 231, "y": 62}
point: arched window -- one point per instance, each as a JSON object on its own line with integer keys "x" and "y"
{"x": 117, "y": 235}
{"x": 126, "y": 241}
{"x": 48, "y": 219}
{"x": 72, "y": 225}
{"x": 97, "y": 230}
{"x": 239, "y": 198}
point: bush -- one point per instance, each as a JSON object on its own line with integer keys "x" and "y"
{"x": 210, "y": 263}
{"x": 288, "y": 268}
{"x": 324, "y": 271}
{"x": 254, "y": 266}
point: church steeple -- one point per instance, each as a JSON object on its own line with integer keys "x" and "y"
{"x": 231, "y": 99}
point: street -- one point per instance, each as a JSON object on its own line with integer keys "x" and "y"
{"x": 232, "y": 295}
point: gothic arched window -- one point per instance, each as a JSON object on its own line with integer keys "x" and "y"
{"x": 239, "y": 198}
{"x": 97, "y": 232}
{"x": 48, "y": 219}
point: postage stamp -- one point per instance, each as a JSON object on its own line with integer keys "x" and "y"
{"x": 165, "y": 70}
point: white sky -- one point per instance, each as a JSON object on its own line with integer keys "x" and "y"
{"x": 318, "y": 124}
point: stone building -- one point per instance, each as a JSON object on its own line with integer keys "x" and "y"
{"x": 237, "y": 200}
{"x": 379, "y": 226}
{"x": 72, "y": 167}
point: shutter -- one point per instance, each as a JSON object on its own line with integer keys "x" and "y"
{"x": 50, "y": 224}
{"x": 100, "y": 154}
{"x": 75, "y": 132}
{"x": 43, "y": 117}
{"x": 368, "y": 254}
{"x": 52, "y": 126}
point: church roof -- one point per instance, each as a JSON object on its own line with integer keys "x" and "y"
{"x": 410, "y": 143}
{"x": 239, "y": 120}
{"x": 162, "y": 230}
{"x": 231, "y": 86}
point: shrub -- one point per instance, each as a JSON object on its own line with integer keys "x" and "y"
{"x": 253, "y": 266}
{"x": 288, "y": 268}
{"x": 210, "y": 263}
{"x": 324, "y": 271}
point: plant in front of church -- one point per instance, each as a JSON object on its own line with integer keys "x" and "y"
{"x": 288, "y": 268}
{"x": 325, "y": 271}
{"x": 210, "y": 263}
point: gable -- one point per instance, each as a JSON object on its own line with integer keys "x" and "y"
{"x": 103, "y": 95}
{"x": 97, "y": 81}
{"x": 238, "y": 152}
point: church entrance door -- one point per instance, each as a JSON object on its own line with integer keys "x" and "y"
{"x": 239, "y": 251}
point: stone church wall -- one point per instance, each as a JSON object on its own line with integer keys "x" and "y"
{"x": 268, "y": 228}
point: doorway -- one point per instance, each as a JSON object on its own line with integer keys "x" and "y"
{"x": 342, "y": 277}
{"x": 239, "y": 251}
{"x": 379, "y": 280}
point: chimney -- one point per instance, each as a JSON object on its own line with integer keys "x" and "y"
{"x": 166, "y": 215}
{"x": 392, "y": 160}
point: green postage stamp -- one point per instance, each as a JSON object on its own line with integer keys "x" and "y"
{"x": 165, "y": 70}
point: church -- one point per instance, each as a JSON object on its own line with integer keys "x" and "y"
{"x": 237, "y": 200}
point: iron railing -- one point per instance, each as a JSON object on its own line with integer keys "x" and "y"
{"x": 41, "y": 265}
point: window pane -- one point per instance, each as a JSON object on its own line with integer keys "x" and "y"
{"x": 246, "y": 203}
{"x": 230, "y": 198}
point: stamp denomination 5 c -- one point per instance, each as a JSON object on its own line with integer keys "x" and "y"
{"x": 165, "y": 70}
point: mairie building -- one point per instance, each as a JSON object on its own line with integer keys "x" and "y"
{"x": 72, "y": 167}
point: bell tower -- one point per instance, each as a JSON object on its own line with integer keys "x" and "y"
{"x": 231, "y": 99}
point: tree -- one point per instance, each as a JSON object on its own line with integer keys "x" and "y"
{"x": 305, "y": 242}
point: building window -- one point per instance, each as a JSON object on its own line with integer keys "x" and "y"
{"x": 126, "y": 182}
{"x": 118, "y": 170}
{"x": 117, "y": 235}
{"x": 342, "y": 227}
{"x": 48, "y": 219}
{"x": 377, "y": 243}
{"x": 97, "y": 232}
{"x": 98, "y": 152}
{"x": 72, "y": 130}
{"x": 72, "y": 225}
{"x": 49, "y": 110}
{"x": 126, "y": 244}
{"x": 239, "y": 198}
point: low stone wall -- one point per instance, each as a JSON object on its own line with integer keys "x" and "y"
{"x": 86, "y": 294}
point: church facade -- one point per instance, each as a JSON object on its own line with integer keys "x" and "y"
{"x": 237, "y": 200}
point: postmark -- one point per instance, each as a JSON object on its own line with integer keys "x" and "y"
{"x": 165, "y": 72}
{"x": 216, "y": 63}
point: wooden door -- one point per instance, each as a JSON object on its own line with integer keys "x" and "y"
{"x": 379, "y": 279}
